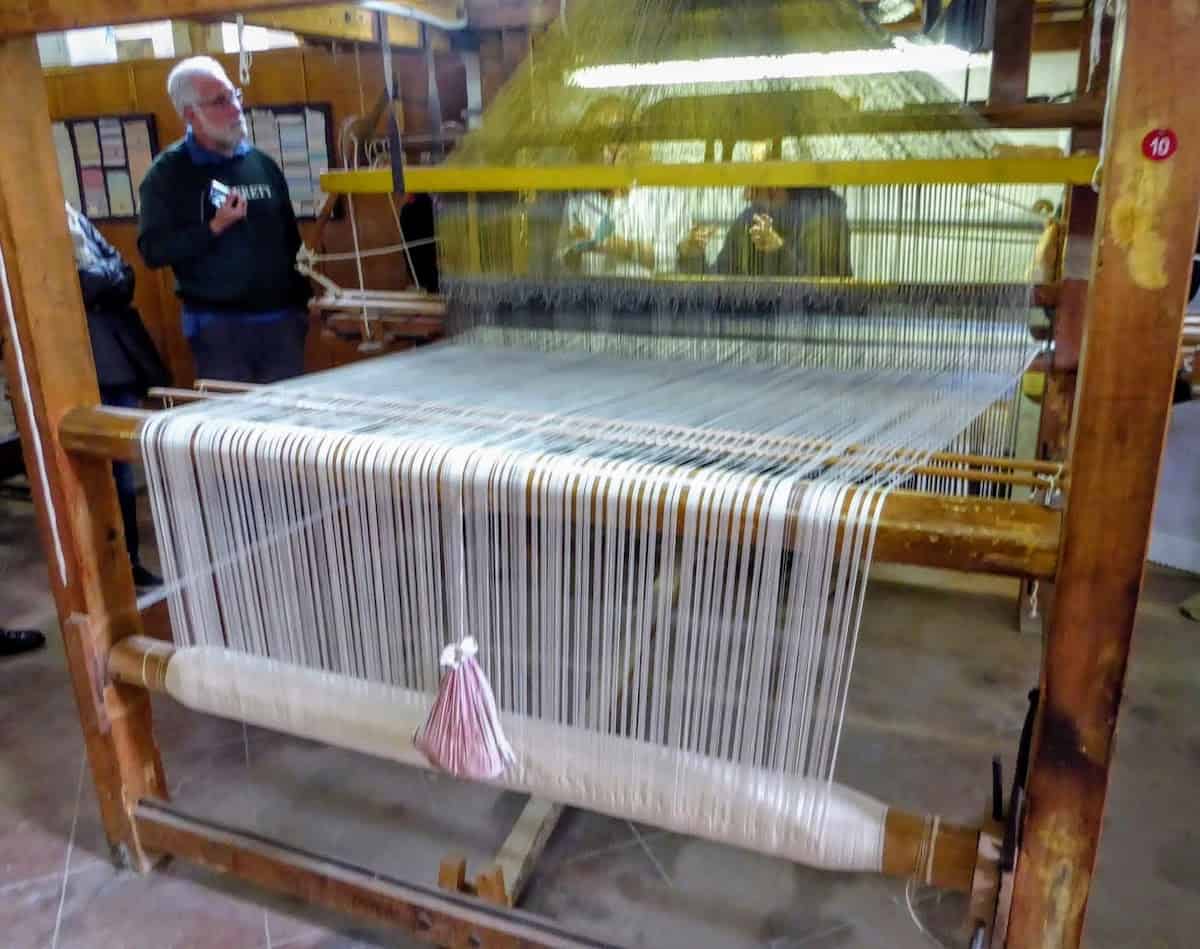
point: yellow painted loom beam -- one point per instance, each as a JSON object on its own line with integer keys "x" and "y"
{"x": 1074, "y": 170}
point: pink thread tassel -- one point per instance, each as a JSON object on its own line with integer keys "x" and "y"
{"x": 463, "y": 735}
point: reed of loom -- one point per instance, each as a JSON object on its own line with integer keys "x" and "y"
{"x": 1138, "y": 276}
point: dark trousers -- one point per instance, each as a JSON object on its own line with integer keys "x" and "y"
{"x": 233, "y": 350}
{"x": 125, "y": 397}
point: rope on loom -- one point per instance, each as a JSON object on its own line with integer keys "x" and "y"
{"x": 307, "y": 259}
{"x": 923, "y": 873}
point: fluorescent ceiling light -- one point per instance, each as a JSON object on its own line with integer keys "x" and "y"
{"x": 904, "y": 56}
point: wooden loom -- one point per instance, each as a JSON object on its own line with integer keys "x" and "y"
{"x": 1146, "y": 225}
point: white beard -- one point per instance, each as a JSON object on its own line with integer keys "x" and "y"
{"x": 229, "y": 136}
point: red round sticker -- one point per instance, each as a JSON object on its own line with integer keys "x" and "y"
{"x": 1160, "y": 144}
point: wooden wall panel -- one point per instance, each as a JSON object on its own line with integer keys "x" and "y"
{"x": 349, "y": 82}
{"x": 150, "y": 88}
{"x": 91, "y": 90}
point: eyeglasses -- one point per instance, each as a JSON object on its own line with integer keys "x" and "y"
{"x": 222, "y": 101}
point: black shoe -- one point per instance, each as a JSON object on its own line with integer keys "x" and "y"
{"x": 143, "y": 579}
{"x": 13, "y": 642}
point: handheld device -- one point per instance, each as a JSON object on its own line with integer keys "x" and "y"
{"x": 217, "y": 193}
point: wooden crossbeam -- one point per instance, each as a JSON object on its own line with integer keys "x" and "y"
{"x": 956, "y": 533}
{"x": 24, "y": 17}
{"x": 434, "y": 916}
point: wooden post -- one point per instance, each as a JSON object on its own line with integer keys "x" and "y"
{"x": 1058, "y": 395}
{"x": 1147, "y": 220}
{"x": 1012, "y": 44}
{"x": 49, "y": 364}
{"x": 1069, "y": 314}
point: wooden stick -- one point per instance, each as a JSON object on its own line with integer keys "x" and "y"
{"x": 939, "y": 853}
{"x": 221, "y": 385}
{"x": 1146, "y": 236}
{"x": 967, "y": 533}
{"x": 171, "y": 397}
{"x": 50, "y": 372}
{"x": 354, "y": 301}
{"x": 89, "y": 430}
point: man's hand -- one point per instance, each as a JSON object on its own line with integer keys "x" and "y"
{"x": 696, "y": 242}
{"x": 228, "y": 214}
{"x": 763, "y": 234}
{"x": 578, "y": 233}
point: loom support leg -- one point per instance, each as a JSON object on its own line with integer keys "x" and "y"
{"x": 50, "y": 372}
{"x": 1146, "y": 235}
{"x": 504, "y": 880}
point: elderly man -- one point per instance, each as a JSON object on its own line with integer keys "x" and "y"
{"x": 216, "y": 211}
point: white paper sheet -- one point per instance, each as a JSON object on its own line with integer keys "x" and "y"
{"x": 137, "y": 144}
{"x": 87, "y": 144}
{"x": 112, "y": 143}
{"x": 318, "y": 154}
{"x": 120, "y": 193}
{"x": 264, "y": 132}
{"x": 293, "y": 140}
{"x": 95, "y": 196}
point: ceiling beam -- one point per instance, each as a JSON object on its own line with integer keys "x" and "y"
{"x": 511, "y": 14}
{"x": 19, "y": 17}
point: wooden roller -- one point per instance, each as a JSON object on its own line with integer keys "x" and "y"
{"x": 938, "y": 853}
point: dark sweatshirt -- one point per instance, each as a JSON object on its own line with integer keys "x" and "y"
{"x": 250, "y": 267}
{"x": 816, "y": 239}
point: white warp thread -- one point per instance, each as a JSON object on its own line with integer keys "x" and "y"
{"x": 663, "y": 561}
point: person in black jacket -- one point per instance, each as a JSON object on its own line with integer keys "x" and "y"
{"x": 784, "y": 232}
{"x": 127, "y": 362}
{"x": 216, "y": 210}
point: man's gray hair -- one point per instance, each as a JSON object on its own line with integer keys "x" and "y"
{"x": 179, "y": 81}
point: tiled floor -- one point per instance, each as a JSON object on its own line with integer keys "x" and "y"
{"x": 939, "y": 687}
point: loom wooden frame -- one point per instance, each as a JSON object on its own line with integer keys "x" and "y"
{"x": 1139, "y": 259}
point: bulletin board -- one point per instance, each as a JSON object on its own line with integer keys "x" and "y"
{"x": 300, "y": 140}
{"x": 102, "y": 160}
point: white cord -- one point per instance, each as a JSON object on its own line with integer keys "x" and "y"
{"x": 358, "y": 265}
{"x": 245, "y": 57}
{"x": 912, "y": 912}
{"x": 404, "y": 244}
{"x": 35, "y": 432}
